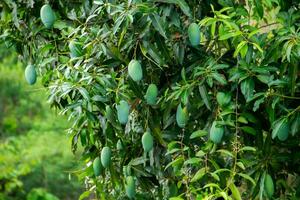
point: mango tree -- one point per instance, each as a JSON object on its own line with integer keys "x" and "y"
{"x": 170, "y": 98}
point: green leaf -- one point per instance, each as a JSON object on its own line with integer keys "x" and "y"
{"x": 229, "y": 35}
{"x": 220, "y": 78}
{"x": 246, "y": 176}
{"x": 248, "y": 129}
{"x": 259, "y": 8}
{"x": 247, "y": 88}
{"x": 204, "y": 96}
{"x": 157, "y": 23}
{"x": 239, "y": 47}
{"x": 181, "y": 3}
{"x": 175, "y": 162}
{"x": 199, "y": 174}
{"x": 199, "y": 133}
{"x": 235, "y": 192}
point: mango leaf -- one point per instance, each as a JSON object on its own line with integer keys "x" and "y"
{"x": 199, "y": 174}
{"x": 247, "y": 88}
{"x": 204, "y": 96}
{"x": 235, "y": 192}
{"x": 199, "y": 133}
{"x": 157, "y": 23}
{"x": 181, "y": 3}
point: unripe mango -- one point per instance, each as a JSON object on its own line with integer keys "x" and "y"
{"x": 181, "y": 116}
{"x": 123, "y": 112}
{"x": 105, "y": 157}
{"x": 75, "y": 49}
{"x": 269, "y": 185}
{"x": 97, "y": 167}
{"x": 47, "y": 16}
{"x": 130, "y": 187}
{"x": 147, "y": 141}
{"x": 194, "y": 34}
{"x": 30, "y": 74}
{"x": 135, "y": 70}
{"x": 216, "y": 133}
{"x": 151, "y": 94}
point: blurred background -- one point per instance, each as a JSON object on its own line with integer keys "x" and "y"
{"x": 35, "y": 157}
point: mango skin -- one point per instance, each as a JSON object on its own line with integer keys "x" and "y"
{"x": 181, "y": 116}
{"x": 47, "y": 16}
{"x": 106, "y": 157}
{"x": 283, "y": 132}
{"x": 216, "y": 133}
{"x": 269, "y": 185}
{"x": 147, "y": 141}
{"x": 130, "y": 187}
{"x": 75, "y": 49}
{"x": 123, "y": 112}
{"x": 97, "y": 167}
{"x": 194, "y": 34}
{"x": 151, "y": 94}
{"x": 30, "y": 74}
{"x": 135, "y": 70}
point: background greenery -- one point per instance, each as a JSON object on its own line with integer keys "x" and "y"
{"x": 34, "y": 158}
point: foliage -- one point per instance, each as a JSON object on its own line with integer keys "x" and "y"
{"x": 242, "y": 79}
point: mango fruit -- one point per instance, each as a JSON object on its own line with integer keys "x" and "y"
{"x": 97, "y": 167}
{"x": 181, "y": 116}
{"x": 123, "y": 112}
{"x": 194, "y": 34}
{"x": 30, "y": 74}
{"x": 151, "y": 94}
{"x": 147, "y": 141}
{"x": 130, "y": 187}
{"x": 269, "y": 185}
{"x": 75, "y": 49}
{"x": 216, "y": 133}
{"x": 105, "y": 157}
{"x": 135, "y": 70}
{"x": 47, "y": 16}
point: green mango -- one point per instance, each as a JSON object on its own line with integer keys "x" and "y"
{"x": 151, "y": 94}
{"x": 135, "y": 70}
{"x": 105, "y": 157}
{"x": 120, "y": 146}
{"x": 223, "y": 99}
{"x": 269, "y": 185}
{"x": 181, "y": 116}
{"x": 216, "y": 133}
{"x": 30, "y": 74}
{"x": 75, "y": 49}
{"x": 123, "y": 112}
{"x": 47, "y": 16}
{"x": 147, "y": 141}
{"x": 130, "y": 187}
{"x": 97, "y": 167}
{"x": 194, "y": 34}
